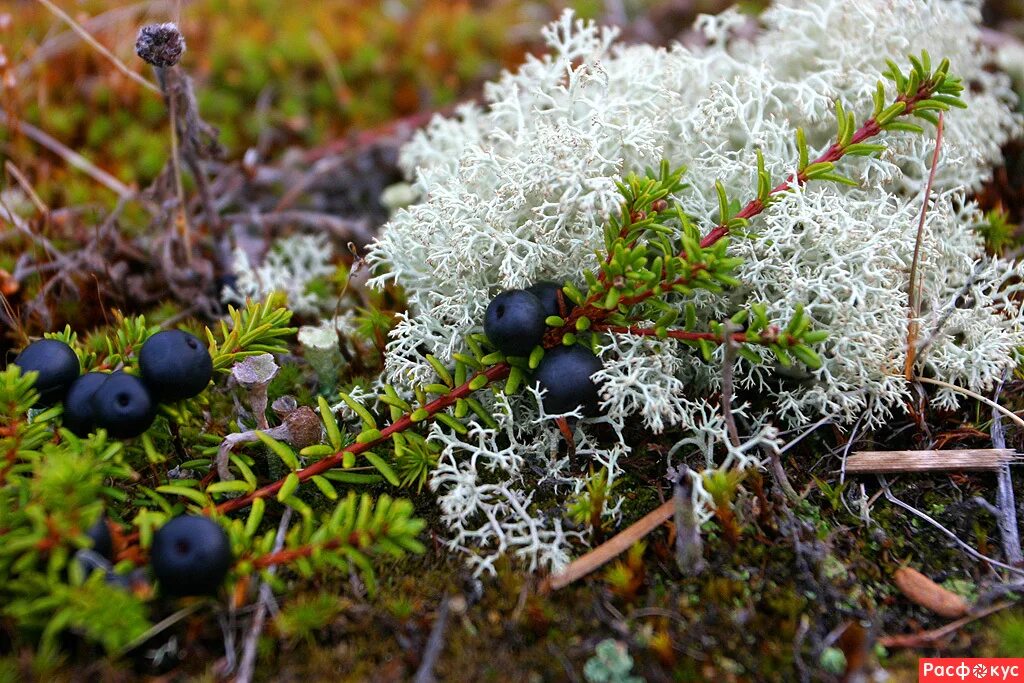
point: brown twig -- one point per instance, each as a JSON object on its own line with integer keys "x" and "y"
{"x": 247, "y": 666}
{"x": 435, "y": 644}
{"x": 71, "y": 157}
{"x": 914, "y": 288}
{"x": 87, "y": 37}
{"x": 612, "y": 548}
{"x": 929, "y": 638}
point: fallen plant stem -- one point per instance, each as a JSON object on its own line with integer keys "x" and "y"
{"x": 913, "y": 287}
{"x": 928, "y": 638}
{"x": 978, "y": 397}
{"x": 96, "y": 45}
{"x": 612, "y": 548}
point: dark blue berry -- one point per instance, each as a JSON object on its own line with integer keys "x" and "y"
{"x": 565, "y": 372}
{"x": 547, "y": 293}
{"x": 191, "y": 555}
{"x": 79, "y": 415}
{"x": 56, "y": 364}
{"x": 175, "y": 365}
{"x": 99, "y": 534}
{"x": 122, "y": 405}
{"x": 514, "y": 322}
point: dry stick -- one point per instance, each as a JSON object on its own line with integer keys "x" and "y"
{"x": 917, "y": 513}
{"x": 87, "y": 37}
{"x": 929, "y": 637}
{"x": 247, "y": 666}
{"x": 978, "y": 397}
{"x": 71, "y": 157}
{"x": 179, "y": 186}
{"x": 425, "y": 672}
{"x": 612, "y": 548}
{"x": 1005, "y": 503}
{"x": 914, "y": 288}
{"x": 22, "y": 180}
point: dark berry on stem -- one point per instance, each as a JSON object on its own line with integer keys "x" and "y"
{"x": 56, "y": 364}
{"x": 548, "y": 293}
{"x": 175, "y": 365}
{"x": 565, "y": 372}
{"x": 79, "y": 414}
{"x": 102, "y": 543}
{"x": 514, "y": 322}
{"x": 191, "y": 555}
{"x": 122, "y": 405}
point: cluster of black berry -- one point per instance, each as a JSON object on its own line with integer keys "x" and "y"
{"x": 174, "y": 365}
{"x": 515, "y": 324}
{"x": 190, "y": 555}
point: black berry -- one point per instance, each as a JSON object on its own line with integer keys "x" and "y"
{"x": 122, "y": 406}
{"x": 56, "y": 364}
{"x": 514, "y": 322}
{"x": 565, "y": 372}
{"x": 175, "y": 365}
{"x": 102, "y": 543}
{"x": 191, "y": 555}
{"x": 547, "y": 293}
{"x": 79, "y": 415}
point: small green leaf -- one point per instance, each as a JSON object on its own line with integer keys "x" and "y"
{"x": 291, "y": 483}
{"x": 330, "y": 423}
{"x": 185, "y": 492}
{"x": 382, "y": 467}
{"x": 281, "y": 450}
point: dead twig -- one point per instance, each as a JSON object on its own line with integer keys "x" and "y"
{"x": 71, "y": 157}
{"x": 247, "y": 666}
{"x": 914, "y": 289}
{"x": 610, "y": 549}
{"x": 96, "y": 45}
{"x": 917, "y": 513}
{"x": 929, "y": 638}
{"x": 1005, "y": 503}
{"x": 435, "y": 644}
{"x": 689, "y": 547}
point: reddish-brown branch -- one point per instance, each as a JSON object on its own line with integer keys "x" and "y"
{"x": 592, "y": 311}
{"x": 834, "y": 153}
{"x": 771, "y": 335}
{"x": 493, "y": 374}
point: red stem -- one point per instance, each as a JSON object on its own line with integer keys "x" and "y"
{"x": 589, "y": 308}
{"x": 493, "y": 374}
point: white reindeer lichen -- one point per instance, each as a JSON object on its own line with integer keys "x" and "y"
{"x": 519, "y": 190}
{"x": 290, "y": 266}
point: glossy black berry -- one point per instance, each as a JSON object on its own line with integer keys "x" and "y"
{"x": 175, "y": 365}
{"x": 56, "y": 364}
{"x": 565, "y": 372}
{"x": 547, "y": 293}
{"x": 99, "y": 534}
{"x": 122, "y": 405}
{"x": 191, "y": 555}
{"x": 79, "y": 415}
{"x": 514, "y": 322}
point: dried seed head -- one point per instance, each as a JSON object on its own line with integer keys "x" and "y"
{"x": 160, "y": 44}
{"x": 304, "y": 427}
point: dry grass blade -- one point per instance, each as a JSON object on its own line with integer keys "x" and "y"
{"x": 70, "y": 156}
{"x": 914, "y": 288}
{"x": 96, "y": 45}
{"x": 874, "y": 462}
{"x": 612, "y": 548}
